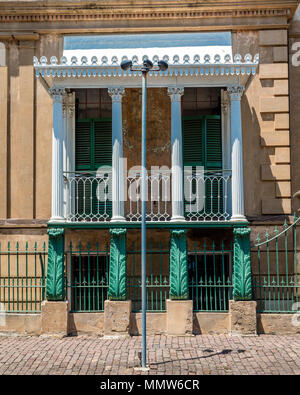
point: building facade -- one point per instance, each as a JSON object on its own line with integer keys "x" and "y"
{"x": 222, "y": 166}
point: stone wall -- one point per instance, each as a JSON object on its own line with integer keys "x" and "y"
{"x": 265, "y": 115}
{"x": 93, "y": 324}
{"x": 294, "y": 82}
{"x": 26, "y": 132}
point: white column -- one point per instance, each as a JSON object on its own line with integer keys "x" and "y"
{"x": 235, "y": 92}
{"x": 226, "y": 144}
{"x": 176, "y": 146}
{"x": 57, "y": 154}
{"x": 69, "y": 151}
{"x": 117, "y": 154}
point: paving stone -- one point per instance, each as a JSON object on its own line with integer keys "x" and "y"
{"x": 206, "y": 354}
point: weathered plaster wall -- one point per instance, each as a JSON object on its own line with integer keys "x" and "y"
{"x": 158, "y": 127}
{"x": 26, "y": 132}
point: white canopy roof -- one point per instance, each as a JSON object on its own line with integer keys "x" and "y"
{"x": 193, "y": 59}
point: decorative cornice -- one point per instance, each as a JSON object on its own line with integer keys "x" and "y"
{"x": 73, "y": 11}
{"x": 243, "y": 232}
{"x": 184, "y": 66}
{"x": 118, "y": 231}
{"x": 55, "y": 232}
{"x": 178, "y": 232}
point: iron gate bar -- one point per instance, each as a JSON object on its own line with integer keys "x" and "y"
{"x": 14, "y": 285}
{"x": 87, "y": 294}
{"x": 156, "y": 284}
{"x": 212, "y": 289}
{"x": 277, "y": 291}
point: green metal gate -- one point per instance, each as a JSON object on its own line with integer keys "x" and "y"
{"x": 22, "y": 277}
{"x": 276, "y": 271}
{"x": 210, "y": 276}
{"x": 87, "y": 277}
{"x": 157, "y": 280}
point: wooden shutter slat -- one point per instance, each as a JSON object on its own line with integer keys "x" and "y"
{"x": 192, "y": 141}
{"x": 103, "y": 143}
{"x": 83, "y": 145}
{"x": 213, "y": 143}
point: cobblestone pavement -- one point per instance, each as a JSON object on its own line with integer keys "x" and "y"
{"x": 205, "y": 354}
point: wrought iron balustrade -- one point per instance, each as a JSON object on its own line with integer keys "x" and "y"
{"x": 88, "y": 196}
{"x": 207, "y": 195}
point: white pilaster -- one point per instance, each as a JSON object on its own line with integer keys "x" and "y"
{"x": 116, "y": 95}
{"x": 176, "y": 144}
{"x": 57, "y": 154}
{"x": 235, "y": 92}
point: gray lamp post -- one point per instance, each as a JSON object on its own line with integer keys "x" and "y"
{"x": 144, "y": 68}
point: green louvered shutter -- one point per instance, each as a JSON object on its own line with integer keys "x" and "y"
{"x": 213, "y": 152}
{"x": 213, "y": 136}
{"x": 103, "y": 159}
{"x": 193, "y": 138}
{"x": 103, "y": 146}
{"x": 83, "y": 142}
{"x": 192, "y": 141}
{"x": 202, "y": 146}
{"x": 93, "y": 150}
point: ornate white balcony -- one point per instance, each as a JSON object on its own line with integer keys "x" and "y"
{"x": 89, "y": 196}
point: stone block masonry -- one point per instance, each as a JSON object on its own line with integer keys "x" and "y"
{"x": 274, "y": 111}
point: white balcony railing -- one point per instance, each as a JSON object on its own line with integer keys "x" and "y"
{"x": 207, "y": 195}
{"x": 88, "y": 196}
{"x": 158, "y": 204}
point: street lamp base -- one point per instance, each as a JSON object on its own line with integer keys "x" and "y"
{"x": 141, "y": 369}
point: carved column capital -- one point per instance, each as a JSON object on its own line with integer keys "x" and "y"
{"x": 175, "y": 93}
{"x": 116, "y": 94}
{"x": 235, "y": 91}
{"x": 57, "y": 94}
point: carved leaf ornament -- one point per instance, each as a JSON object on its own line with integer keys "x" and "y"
{"x": 55, "y": 287}
{"x": 117, "y": 265}
{"x": 178, "y": 266}
{"x": 242, "y": 276}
